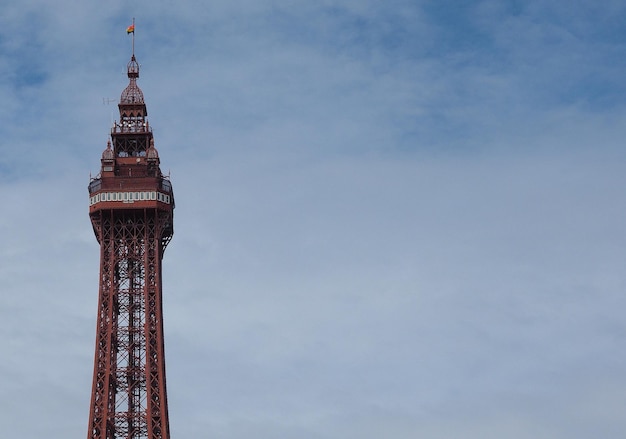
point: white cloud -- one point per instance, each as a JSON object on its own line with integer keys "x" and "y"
{"x": 380, "y": 229}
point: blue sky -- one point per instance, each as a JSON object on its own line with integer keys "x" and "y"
{"x": 393, "y": 219}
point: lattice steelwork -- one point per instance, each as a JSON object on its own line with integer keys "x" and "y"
{"x": 131, "y": 210}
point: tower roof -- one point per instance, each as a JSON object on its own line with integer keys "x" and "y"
{"x": 132, "y": 94}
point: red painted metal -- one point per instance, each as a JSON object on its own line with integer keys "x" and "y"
{"x": 131, "y": 209}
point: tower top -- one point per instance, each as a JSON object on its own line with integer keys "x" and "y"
{"x": 132, "y": 94}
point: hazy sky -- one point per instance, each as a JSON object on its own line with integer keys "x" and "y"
{"x": 394, "y": 219}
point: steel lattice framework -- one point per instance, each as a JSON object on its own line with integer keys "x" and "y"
{"x": 131, "y": 210}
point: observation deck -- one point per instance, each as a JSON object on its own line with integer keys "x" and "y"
{"x": 130, "y": 182}
{"x": 132, "y": 192}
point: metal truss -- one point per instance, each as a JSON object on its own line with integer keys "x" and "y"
{"x": 129, "y": 397}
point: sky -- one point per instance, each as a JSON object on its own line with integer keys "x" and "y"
{"x": 394, "y": 219}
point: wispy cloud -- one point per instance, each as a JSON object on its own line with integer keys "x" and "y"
{"x": 393, "y": 219}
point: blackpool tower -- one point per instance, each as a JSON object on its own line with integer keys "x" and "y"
{"x": 131, "y": 206}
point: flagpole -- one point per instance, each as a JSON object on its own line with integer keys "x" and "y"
{"x": 133, "y": 36}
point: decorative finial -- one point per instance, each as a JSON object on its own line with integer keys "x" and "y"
{"x": 152, "y": 153}
{"x": 107, "y": 154}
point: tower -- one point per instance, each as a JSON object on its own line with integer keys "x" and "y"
{"x": 131, "y": 208}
